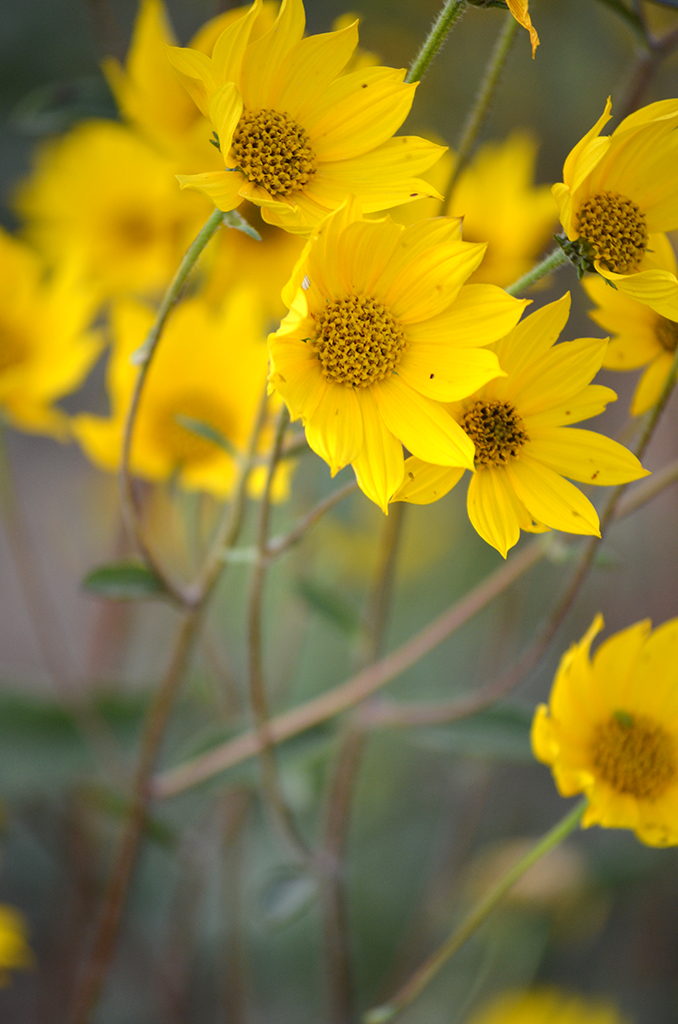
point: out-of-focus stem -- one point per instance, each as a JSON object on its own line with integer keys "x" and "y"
{"x": 555, "y": 259}
{"x": 144, "y": 357}
{"x": 257, "y": 688}
{"x": 479, "y": 110}
{"x": 648, "y": 61}
{"x": 279, "y": 545}
{"x": 451, "y": 13}
{"x": 425, "y": 974}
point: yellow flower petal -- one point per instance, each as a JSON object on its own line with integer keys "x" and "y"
{"x": 197, "y": 74}
{"x": 424, "y": 483}
{"x": 551, "y": 499}
{"x": 362, "y": 120}
{"x": 423, "y": 426}
{"x": 335, "y": 428}
{"x": 222, "y": 187}
{"x": 265, "y": 56}
{"x": 229, "y": 47}
{"x": 577, "y": 166}
{"x": 447, "y": 373}
{"x": 225, "y": 109}
{"x": 651, "y": 384}
{"x": 493, "y": 509}
{"x": 480, "y": 315}
{"x": 310, "y": 68}
{"x": 519, "y": 10}
{"x": 563, "y": 371}
{"x": 658, "y": 289}
{"x": 428, "y": 281}
{"x": 589, "y": 402}
{"x": 379, "y": 466}
{"x": 585, "y": 455}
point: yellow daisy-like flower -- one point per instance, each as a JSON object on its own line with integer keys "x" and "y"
{"x": 380, "y": 331}
{"x": 524, "y": 446}
{"x": 210, "y": 369}
{"x": 546, "y": 1006}
{"x": 15, "y": 953}
{"x": 640, "y": 337}
{"x": 500, "y": 204}
{"x": 108, "y": 196}
{"x": 611, "y": 729}
{"x": 520, "y": 11}
{"x": 618, "y": 192}
{"x": 46, "y": 347}
{"x": 297, "y": 136}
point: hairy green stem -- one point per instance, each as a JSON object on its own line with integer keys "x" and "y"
{"x": 425, "y": 974}
{"x": 555, "y": 259}
{"x": 479, "y": 110}
{"x": 449, "y": 15}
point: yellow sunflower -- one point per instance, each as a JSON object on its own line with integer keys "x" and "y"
{"x": 524, "y": 446}
{"x": 217, "y": 383}
{"x": 618, "y": 192}
{"x": 380, "y": 331}
{"x": 546, "y": 1006}
{"x": 296, "y": 135}
{"x": 641, "y": 337}
{"x": 46, "y": 346}
{"x": 108, "y": 196}
{"x": 610, "y": 730}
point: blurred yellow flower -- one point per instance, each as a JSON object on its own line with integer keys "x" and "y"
{"x": 15, "y": 953}
{"x": 520, "y": 11}
{"x": 298, "y": 136}
{"x": 611, "y": 729}
{"x": 524, "y": 446}
{"x": 618, "y": 192}
{"x": 210, "y": 369}
{"x": 104, "y": 194}
{"x": 380, "y": 331}
{"x": 546, "y": 1006}
{"x": 641, "y": 337}
{"x": 46, "y": 348}
{"x": 499, "y": 203}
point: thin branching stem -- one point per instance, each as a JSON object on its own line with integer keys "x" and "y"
{"x": 279, "y": 545}
{"x": 449, "y": 15}
{"x": 483, "y": 101}
{"x": 555, "y": 259}
{"x": 426, "y": 973}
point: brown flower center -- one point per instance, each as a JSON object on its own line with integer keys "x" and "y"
{"x": 496, "y": 430}
{"x": 273, "y": 151}
{"x": 615, "y": 229}
{"x": 634, "y": 755}
{"x": 666, "y": 332}
{"x": 358, "y": 342}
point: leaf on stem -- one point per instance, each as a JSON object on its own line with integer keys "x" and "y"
{"x": 330, "y": 605}
{"x": 233, "y": 219}
{"x": 207, "y": 432}
{"x": 126, "y": 581}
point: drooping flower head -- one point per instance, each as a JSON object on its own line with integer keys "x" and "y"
{"x": 640, "y": 337}
{"x": 524, "y": 446}
{"x": 546, "y": 1006}
{"x": 296, "y": 135}
{"x": 209, "y": 371}
{"x": 610, "y": 730}
{"x": 618, "y": 192}
{"x": 381, "y": 330}
{"x": 46, "y": 345}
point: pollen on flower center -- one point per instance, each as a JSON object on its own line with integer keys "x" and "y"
{"x": 634, "y": 755}
{"x": 358, "y": 342}
{"x": 273, "y": 151}
{"x": 496, "y": 430}
{"x": 615, "y": 229}
{"x": 666, "y": 332}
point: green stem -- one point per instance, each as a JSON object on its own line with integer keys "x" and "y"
{"x": 451, "y": 13}
{"x": 418, "y": 982}
{"x": 555, "y": 259}
{"x": 484, "y": 97}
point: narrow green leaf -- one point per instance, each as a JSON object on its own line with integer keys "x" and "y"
{"x": 127, "y": 581}
{"x": 329, "y": 604}
{"x": 233, "y": 219}
{"x": 286, "y": 895}
{"x": 207, "y": 432}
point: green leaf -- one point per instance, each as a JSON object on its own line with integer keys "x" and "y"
{"x": 329, "y": 604}
{"x": 127, "y": 581}
{"x": 207, "y": 432}
{"x": 233, "y": 219}
{"x": 286, "y": 895}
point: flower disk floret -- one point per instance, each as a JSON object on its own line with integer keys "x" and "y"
{"x": 610, "y": 729}
{"x": 381, "y": 330}
{"x": 298, "y": 135}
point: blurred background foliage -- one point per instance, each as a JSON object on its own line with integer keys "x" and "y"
{"x": 222, "y": 925}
